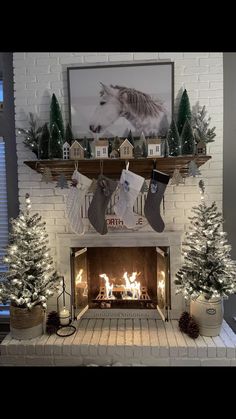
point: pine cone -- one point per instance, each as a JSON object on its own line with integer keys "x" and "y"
{"x": 193, "y": 329}
{"x": 50, "y": 329}
{"x": 53, "y": 319}
{"x": 184, "y": 321}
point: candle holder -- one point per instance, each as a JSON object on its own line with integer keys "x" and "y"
{"x": 65, "y": 315}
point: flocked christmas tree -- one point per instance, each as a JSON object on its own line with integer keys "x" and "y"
{"x": 200, "y": 124}
{"x": 44, "y": 142}
{"x": 32, "y": 134}
{"x": 55, "y": 143}
{"x": 187, "y": 139}
{"x": 56, "y": 117}
{"x": 173, "y": 140}
{"x": 69, "y": 137}
{"x": 184, "y": 111}
{"x": 208, "y": 268}
{"x": 31, "y": 278}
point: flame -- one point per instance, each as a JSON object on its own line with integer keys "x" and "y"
{"x": 161, "y": 284}
{"x": 79, "y": 280}
{"x": 109, "y": 288}
{"x": 79, "y": 277}
{"x": 132, "y": 285}
{"x": 130, "y": 290}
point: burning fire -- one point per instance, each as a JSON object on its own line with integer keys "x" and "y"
{"x": 80, "y": 283}
{"x": 108, "y": 287}
{"x": 132, "y": 285}
{"x": 161, "y": 286}
{"x": 130, "y": 290}
{"x": 79, "y": 277}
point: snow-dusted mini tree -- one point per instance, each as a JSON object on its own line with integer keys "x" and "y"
{"x": 200, "y": 125}
{"x": 31, "y": 278}
{"x": 208, "y": 269}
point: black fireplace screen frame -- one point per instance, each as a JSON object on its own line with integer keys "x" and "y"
{"x": 163, "y": 256}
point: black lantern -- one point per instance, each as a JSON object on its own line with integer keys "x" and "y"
{"x": 65, "y": 313}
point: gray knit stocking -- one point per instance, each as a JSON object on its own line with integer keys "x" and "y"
{"x": 98, "y": 206}
{"x": 155, "y": 194}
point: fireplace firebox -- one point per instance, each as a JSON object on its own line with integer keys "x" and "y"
{"x": 121, "y": 277}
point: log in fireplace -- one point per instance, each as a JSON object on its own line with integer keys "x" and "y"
{"x": 121, "y": 277}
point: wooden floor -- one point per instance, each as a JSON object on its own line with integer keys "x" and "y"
{"x": 129, "y": 341}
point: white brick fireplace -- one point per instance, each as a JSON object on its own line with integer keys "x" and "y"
{"x": 38, "y": 75}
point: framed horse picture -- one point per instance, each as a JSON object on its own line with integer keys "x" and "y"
{"x": 106, "y": 101}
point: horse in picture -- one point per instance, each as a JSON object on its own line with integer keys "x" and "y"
{"x": 145, "y": 114}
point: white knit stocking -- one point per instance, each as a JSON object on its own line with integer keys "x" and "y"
{"x": 130, "y": 186}
{"x": 75, "y": 199}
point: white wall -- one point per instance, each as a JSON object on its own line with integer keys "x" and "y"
{"x": 38, "y": 75}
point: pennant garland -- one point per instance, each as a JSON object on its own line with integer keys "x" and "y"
{"x": 177, "y": 178}
{"x": 47, "y": 175}
{"x": 62, "y": 182}
{"x": 193, "y": 169}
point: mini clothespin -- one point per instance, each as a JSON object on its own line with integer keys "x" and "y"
{"x": 76, "y": 166}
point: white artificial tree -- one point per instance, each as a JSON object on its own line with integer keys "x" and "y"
{"x": 200, "y": 125}
{"x": 208, "y": 268}
{"x": 31, "y": 278}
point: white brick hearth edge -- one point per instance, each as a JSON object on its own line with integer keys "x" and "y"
{"x": 116, "y": 342}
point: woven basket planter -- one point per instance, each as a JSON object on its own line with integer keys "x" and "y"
{"x": 25, "y": 323}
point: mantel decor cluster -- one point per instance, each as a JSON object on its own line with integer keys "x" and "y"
{"x": 113, "y": 168}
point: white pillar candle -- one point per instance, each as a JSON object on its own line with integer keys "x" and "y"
{"x": 64, "y": 317}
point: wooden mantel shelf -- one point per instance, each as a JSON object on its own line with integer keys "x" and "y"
{"x": 113, "y": 167}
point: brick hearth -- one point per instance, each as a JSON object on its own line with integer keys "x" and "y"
{"x": 122, "y": 341}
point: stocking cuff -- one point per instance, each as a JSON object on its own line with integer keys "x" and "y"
{"x": 160, "y": 177}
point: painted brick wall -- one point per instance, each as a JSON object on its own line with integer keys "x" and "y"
{"x": 38, "y": 75}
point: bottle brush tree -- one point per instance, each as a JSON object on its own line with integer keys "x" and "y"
{"x": 130, "y": 138}
{"x": 31, "y": 278}
{"x": 187, "y": 139}
{"x": 184, "y": 111}
{"x": 208, "y": 268}
{"x": 55, "y": 143}
{"x": 44, "y": 143}
{"x": 173, "y": 140}
{"x": 69, "y": 137}
{"x": 56, "y": 117}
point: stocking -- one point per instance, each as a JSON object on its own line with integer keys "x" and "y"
{"x": 75, "y": 199}
{"x": 130, "y": 186}
{"x": 97, "y": 208}
{"x": 155, "y": 194}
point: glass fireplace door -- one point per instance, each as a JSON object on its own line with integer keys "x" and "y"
{"x": 79, "y": 276}
{"x": 163, "y": 281}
